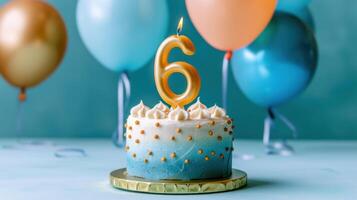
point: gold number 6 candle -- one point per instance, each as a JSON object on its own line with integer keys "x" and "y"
{"x": 163, "y": 70}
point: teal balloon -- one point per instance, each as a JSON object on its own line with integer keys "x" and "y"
{"x": 122, "y": 34}
{"x": 291, "y": 5}
{"x": 305, "y": 15}
{"x": 279, "y": 64}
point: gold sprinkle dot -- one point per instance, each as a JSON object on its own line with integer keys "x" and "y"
{"x": 130, "y": 128}
{"x": 163, "y": 159}
{"x": 210, "y": 132}
{"x": 137, "y": 141}
{"x": 127, "y": 148}
{"x": 198, "y": 126}
{"x": 212, "y": 122}
{"x": 142, "y": 132}
{"x": 200, "y": 151}
{"x": 178, "y": 130}
{"x": 187, "y": 161}
{"x": 173, "y": 138}
{"x": 206, "y": 158}
{"x": 157, "y": 124}
{"x": 150, "y": 153}
{"x": 225, "y": 129}
{"x": 189, "y": 138}
{"x": 137, "y": 122}
{"x": 134, "y": 155}
{"x": 219, "y": 138}
{"x": 227, "y": 148}
{"x": 129, "y": 136}
{"x": 213, "y": 153}
{"x": 146, "y": 160}
{"x": 221, "y": 156}
{"x": 156, "y": 136}
{"x": 173, "y": 155}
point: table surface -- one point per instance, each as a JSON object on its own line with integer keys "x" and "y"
{"x": 48, "y": 169}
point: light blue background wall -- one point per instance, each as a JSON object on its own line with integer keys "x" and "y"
{"x": 79, "y": 100}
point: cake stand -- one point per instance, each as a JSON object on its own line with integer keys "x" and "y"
{"x": 120, "y": 180}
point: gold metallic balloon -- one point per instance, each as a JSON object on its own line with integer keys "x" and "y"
{"x": 163, "y": 71}
{"x": 33, "y": 41}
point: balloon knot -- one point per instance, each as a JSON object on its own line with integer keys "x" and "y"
{"x": 228, "y": 55}
{"x": 271, "y": 113}
{"x": 22, "y": 95}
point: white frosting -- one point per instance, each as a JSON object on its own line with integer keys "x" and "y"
{"x": 162, "y": 107}
{"x": 216, "y": 112}
{"x": 197, "y": 105}
{"x": 155, "y": 113}
{"x": 199, "y": 113}
{"x": 178, "y": 114}
{"x": 139, "y": 110}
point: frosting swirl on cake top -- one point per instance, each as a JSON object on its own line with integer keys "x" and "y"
{"x": 178, "y": 114}
{"x": 162, "y": 107}
{"x": 216, "y": 112}
{"x": 139, "y": 110}
{"x": 155, "y": 113}
{"x": 196, "y": 105}
{"x": 197, "y": 111}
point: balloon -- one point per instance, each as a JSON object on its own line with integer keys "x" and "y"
{"x": 122, "y": 34}
{"x": 230, "y": 24}
{"x": 305, "y": 15}
{"x": 279, "y": 64}
{"x": 33, "y": 41}
{"x": 292, "y": 5}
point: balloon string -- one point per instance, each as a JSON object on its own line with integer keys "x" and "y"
{"x": 287, "y": 123}
{"x": 267, "y": 126}
{"x": 19, "y": 115}
{"x": 70, "y": 152}
{"x": 124, "y": 91}
{"x": 19, "y": 118}
{"x": 277, "y": 148}
{"x": 127, "y": 87}
{"x": 225, "y": 66}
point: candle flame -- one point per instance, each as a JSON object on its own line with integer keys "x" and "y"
{"x": 179, "y": 26}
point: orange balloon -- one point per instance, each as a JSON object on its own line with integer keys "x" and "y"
{"x": 230, "y": 24}
{"x": 33, "y": 41}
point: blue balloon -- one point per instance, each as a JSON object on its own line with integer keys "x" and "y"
{"x": 291, "y": 5}
{"x": 122, "y": 34}
{"x": 305, "y": 15}
{"x": 279, "y": 64}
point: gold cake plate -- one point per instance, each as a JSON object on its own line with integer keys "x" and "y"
{"x": 120, "y": 180}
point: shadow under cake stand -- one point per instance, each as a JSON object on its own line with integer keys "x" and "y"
{"x": 119, "y": 179}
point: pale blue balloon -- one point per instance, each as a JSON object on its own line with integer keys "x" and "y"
{"x": 122, "y": 34}
{"x": 279, "y": 64}
{"x": 291, "y": 5}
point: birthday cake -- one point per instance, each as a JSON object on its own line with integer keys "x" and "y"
{"x": 179, "y": 144}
